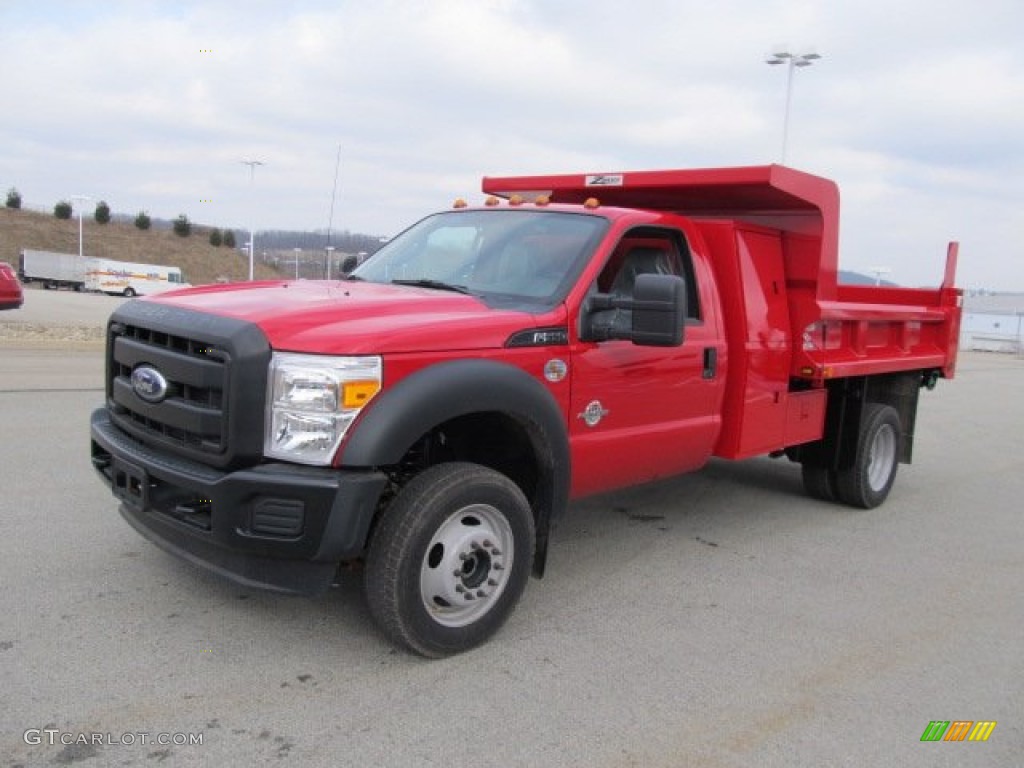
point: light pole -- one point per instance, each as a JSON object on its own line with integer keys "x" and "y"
{"x": 878, "y": 272}
{"x": 330, "y": 255}
{"x": 81, "y": 198}
{"x": 297, "y": 252}
{"x": 252, "y": 233}
{"x": 792, "y": 60}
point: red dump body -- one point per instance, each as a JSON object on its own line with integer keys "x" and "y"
{"x": 769, "y": 236}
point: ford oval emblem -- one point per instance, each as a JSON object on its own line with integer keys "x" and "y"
{"x": 149, "y": 384}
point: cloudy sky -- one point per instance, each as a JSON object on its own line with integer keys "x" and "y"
{"x": 916, "y": 108}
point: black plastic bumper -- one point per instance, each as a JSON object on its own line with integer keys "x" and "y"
{"x": 281, "y": 527}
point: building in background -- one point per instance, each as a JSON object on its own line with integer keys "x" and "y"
{"x": 993, "y": 323}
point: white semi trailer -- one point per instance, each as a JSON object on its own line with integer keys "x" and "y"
{"x": 123, "y": 278}
{"x": 52, "y": 270}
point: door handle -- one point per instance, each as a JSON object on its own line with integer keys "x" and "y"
{"x": 710, "y": 363}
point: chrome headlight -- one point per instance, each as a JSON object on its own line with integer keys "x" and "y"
{"x": 311, "y": 402}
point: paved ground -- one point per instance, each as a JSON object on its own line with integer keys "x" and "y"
{"x": 721, "y": 619}
{"x": 57, "y": 319}
{"x": 63, "y": 308}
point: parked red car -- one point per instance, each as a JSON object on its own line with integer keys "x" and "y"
{"x": 11, "y": 296}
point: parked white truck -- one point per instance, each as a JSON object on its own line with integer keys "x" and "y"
{"x": 131, "y": 279}
{"x": 123, "y": 278}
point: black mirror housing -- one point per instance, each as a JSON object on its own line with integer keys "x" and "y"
{"x": 654, "y": 316}
{"x": 659, "y": 310}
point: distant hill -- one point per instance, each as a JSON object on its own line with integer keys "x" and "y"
{"x": 122, "y": 241}
{"x": 846, "y": 277}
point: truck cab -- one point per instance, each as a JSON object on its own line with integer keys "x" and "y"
{"x": 430, "y": 416}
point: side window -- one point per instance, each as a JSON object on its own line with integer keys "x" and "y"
{"x": 650, "y": 251}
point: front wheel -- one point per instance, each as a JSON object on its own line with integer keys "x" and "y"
{"x": 129, "y": 293}
{"x": 867, "y": 483}
{"x": 449, "y": 559}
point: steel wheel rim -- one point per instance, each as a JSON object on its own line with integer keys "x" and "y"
{"x": 883, "y": 456}
{"x": 466, "y": 565}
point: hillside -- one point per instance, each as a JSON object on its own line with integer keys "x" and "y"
{"x": 199, "y": 261}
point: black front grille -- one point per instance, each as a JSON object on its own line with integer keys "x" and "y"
{"x": 197, "y": 374}
{"x": 215, "y": 374}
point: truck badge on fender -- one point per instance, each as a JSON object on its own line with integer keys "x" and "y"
{"x": 593, "y": 413}
{"x": 149, "y": 384}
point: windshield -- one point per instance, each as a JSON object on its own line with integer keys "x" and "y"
{"x": 526, "y": 255}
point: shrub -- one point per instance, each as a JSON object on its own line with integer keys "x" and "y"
{"x": 182, "y": 226}
{"x": 102, "y": 214}
{"x": 13, "y": 198}
{"x": 62, "y": 210}
{"x": 215, "y": 238}
{"x": 229, "y": 238}
{"x": 142, "y": 221}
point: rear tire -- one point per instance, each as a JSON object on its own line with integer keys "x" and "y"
{"x": 449, "y": 559}
{"x": 820, "y": 482}
{"x": 129, "y": 293}
{"x": 867, "y": 483}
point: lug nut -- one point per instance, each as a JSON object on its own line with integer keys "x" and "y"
{"x": 481, "y": 593}
{"x": 492, "y": 583}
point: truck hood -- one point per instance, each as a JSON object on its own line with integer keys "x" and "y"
{"x": 358, "y": 318}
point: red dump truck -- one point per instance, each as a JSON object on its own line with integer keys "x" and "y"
{"x": 431, "y": 415}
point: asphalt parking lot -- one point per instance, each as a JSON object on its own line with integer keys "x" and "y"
{"x": 719, "y": 619}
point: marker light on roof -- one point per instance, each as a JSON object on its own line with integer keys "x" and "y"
{"x": 459, "y": 203}
{"x": 515, "y": 200}
{"x": 491, "y": 201}
{"x": 542, "y": 201}
{"x": 591, "y": 202}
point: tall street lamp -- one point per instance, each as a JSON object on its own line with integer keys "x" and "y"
{"x": 80, "y": 198}
{"x": 792, "y": 60}
{"x": 297, "y": 252}
{"x": 252, "y": 233}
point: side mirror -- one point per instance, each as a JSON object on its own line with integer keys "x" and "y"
{"x": 654, "y": 316}
{"x": 659, "y": 310}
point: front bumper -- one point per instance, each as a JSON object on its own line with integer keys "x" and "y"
{"x": 276, "y": 526}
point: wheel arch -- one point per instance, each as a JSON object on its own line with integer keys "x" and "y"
{"x": 468, "y": 396}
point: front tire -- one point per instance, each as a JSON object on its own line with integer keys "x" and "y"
{"x": 449, "y": 559}
{"x": 129, "y": 293}
{"x": 867, "y": 483}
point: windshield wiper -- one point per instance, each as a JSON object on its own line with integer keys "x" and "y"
{"x": 428, "y": 283}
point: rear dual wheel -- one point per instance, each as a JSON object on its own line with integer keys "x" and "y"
{"x": 449, "y": 559}
{"x": 867, "y": 482}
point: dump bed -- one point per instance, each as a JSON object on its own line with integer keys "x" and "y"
{"x": 835, "y": 330}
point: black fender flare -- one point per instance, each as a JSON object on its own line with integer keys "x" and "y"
{"x": 402, "y": 414}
